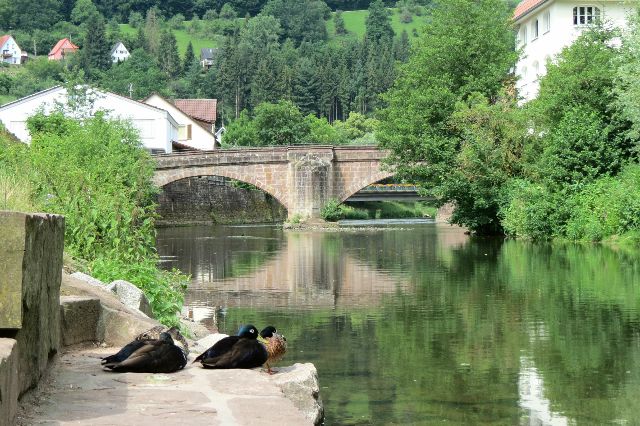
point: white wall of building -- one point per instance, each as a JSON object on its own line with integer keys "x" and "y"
{"x": 552, "y": 38}
{"x": 10, "y": 47}
{"x": 157, "y": 128}
{"x": 200, "y": 138}
{"x": 119, "y": 53}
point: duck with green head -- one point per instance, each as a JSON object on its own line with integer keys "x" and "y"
{"x": 241, "y": 351}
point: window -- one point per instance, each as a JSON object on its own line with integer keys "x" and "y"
{"x": 583, "y": 15}
{"x": 523, "y": 36}
{"x": 535, "y": 30}
{"x": 546, "y": 21}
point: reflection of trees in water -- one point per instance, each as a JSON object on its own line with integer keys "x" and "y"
{"x": 448, "y": 344}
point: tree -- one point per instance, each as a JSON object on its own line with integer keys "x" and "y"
{"x": 83, "y": 11}
{"x": 339, "y": 23}
{"x": 301, "y": 20}
{"x": 168, "y": 57}
{"x": 95, "y": 53}
{"x": 139, "y": 73}
{"x": 241, "y": 132}
{"x": 279, "y": 124}
{"x": 466, "y": 48}
{"x": 378, "y": 23}
{"x": 627, "y": 83}
{"x": 189, "y": 57}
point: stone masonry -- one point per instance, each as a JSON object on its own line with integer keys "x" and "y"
{"x": 30, "y": 265}
{"x": 301, "y": 178}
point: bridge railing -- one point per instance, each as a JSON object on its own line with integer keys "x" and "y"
{"x": 394, "y": 187}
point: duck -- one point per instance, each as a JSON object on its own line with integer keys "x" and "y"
{"x": 276, "y": 345}
{"x": 241, "y": 351}
{"x": 160, "y": 355}
{"x": 154, "y": 333}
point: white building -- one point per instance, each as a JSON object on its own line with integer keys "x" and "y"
{"x": 192, "y": 132}
{"x": 545, "y": 27}
{"x": 158, "y": 129}
{"x": 119, "y": 52}
{"x": 11, "y": 52}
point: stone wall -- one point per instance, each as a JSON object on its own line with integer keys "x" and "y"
{"x": 31, "y": 247}
{"x": 212, "y": 199}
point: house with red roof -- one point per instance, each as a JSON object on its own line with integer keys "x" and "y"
{"x": 62, "y": 48}
{"x": 11, "y": 52}
{"x": 545, "y": 27}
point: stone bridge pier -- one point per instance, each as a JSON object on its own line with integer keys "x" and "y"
{"x": 302, "y": 178}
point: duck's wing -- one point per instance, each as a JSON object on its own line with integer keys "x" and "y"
{"x": 153, "y": 357}
{"x": 220, "y": 348}
{"x": 246, "y": 353}
{"x": 124, "y": 353}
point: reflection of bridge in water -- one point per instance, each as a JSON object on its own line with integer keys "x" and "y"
{"x": 311, "y": 270}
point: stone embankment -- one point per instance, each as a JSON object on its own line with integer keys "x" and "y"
{"x": 50, "y": 352}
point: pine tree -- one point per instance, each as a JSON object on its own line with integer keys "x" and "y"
{"x": 401, "y": 47}
{"x": 169, "y": 59}
{"x": 339, "y": 23}
{"x": 378, "y": 24}
{"x": 189, "y": 57}
{"x": 95, "y": 52}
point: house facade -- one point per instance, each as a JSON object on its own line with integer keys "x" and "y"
{"x": 193, "y": 133}
{"x": 545, "y": 27}
{"x": 207, "y": 56}
{"x": 119, "y": 53}
{"x": 62, "y": 48}
{"x": 158, "y": 129}
{"x": 11, "y": 52}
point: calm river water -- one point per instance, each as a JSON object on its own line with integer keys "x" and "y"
{"x": 415, "y": 323}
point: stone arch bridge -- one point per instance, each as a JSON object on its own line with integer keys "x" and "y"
{"x": 302, "y": 178}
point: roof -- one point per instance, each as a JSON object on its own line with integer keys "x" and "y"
{"x": 115, "y": 46}
{"x": 200, "y": 109}
{"x": 59, "y": 45}
{"x": 526, "y": 6}
{"x": 208, "y": 52}
{"x": 4, "y": 39}
{"x": 60, "y": 87}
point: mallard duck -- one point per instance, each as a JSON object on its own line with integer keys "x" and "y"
{"x": 276, "y": 345}
{"x": 241, "y": 351}
{"x": 148, "y": 356}
{"x": 154, "y": 334}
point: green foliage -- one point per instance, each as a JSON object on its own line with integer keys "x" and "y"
{"x": 579, "y": 149}
{"x": 338, "y": 22}
{"x": 141, "y": 71}
{"x": 322, "y": 133}
{"x": 280, "y": 124}
{"x": 241, "y": 132}
{"x": 301, "y": 20}
{"x": 607, "y": 207}
{"x": 378, "y": 23}
{"x": 334, "y": 211}
{"x": 467, "y": 48}
{"x": 96, "y": 173}
{"x": 627, "y": 84}
{"x": 95, "y": 54}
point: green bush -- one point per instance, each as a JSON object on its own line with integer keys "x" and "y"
{"x": 531, "y": 211}
{"x": 96, "y": 173}
{"x": 608, "y": 207}
{"x": 334, "y": 211}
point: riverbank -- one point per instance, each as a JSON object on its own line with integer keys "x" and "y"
{"x": 75, "y": 389}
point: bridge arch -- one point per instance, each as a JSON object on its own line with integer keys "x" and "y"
{"x": 167, "y": 178}
{"x": 363, "y": 183}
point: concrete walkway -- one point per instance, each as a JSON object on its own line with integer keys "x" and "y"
{"x": 78, "y": 392}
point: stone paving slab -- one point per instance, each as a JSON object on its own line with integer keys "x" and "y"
{"x": 79, "y": 392}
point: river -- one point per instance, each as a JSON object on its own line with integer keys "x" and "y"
{"x": 419, "y": 323}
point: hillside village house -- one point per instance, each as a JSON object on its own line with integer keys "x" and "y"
{"x": 119, "y": 53}
{"x": 62, "y": 48}
{"x": 196, "y": 120}
{"x": 11, "y": 52}
{"x": 158, "y": 129}
{"x": 545, "y": 27}
{"x": 207, "y": 56}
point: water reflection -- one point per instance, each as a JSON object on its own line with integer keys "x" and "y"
{"x": 423, "y": 324}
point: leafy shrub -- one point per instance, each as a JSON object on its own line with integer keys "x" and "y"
{"x": 96, "y": 173}
{"x": 531, "y": 211}
{"x": 334, "y": 211}
{"x": 607, "y": 207}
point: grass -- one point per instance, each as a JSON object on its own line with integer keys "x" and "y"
{"x": 182, "y": 39}
{"x": 354, "y": 23}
